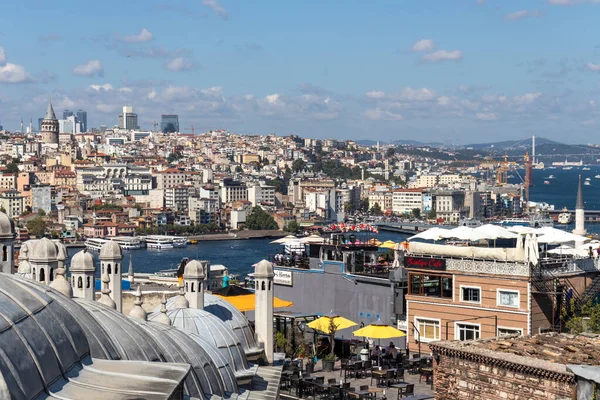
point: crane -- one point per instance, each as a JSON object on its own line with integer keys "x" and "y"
{"x": 192, "y": 129}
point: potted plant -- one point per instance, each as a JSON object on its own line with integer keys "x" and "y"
{"x": 329, "y": 359}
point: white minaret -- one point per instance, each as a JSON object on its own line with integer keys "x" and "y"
{"x": 7, "y": 238}
{"x": 110, "y": 263}
{"x": 130, "y": 274}
{"x": 83, "y": 270}
{"x": 194, "y": 276}
{"x": 579, "y": 212}
{"x": 263, "y": 313}
{"x": 533, "y": 150}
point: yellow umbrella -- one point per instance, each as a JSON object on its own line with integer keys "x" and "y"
{"x": 247, "y": 302}
{"x": 388, "y": 244}
{"x": 375, "y": 331}
{"x": 374, "y": 242}
{"x": 322, "y": 324}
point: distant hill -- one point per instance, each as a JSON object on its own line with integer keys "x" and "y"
{"x": 523, "y": 143}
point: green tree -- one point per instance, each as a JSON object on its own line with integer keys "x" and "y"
{"x": 431, "y": 214}
{"x": 347, "y": 207}
{"x": 41, "y": 212}
{"x": 37, "y": 226}
{"x": 376, "y": 209}
{"x": 416, "y": 212}
{"x": 292, "y": 227}
{"x": 364, "y": 205}
{"x": 13, "y": 168}
{"x": 585, "y": 320}
{"x": 174, "y": 156}
{"x": 390, "y": 152}
{"x": 298, "y": 165}
{"x": 259, "y": 219}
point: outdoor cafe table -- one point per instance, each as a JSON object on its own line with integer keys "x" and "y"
{"x": 419, "y": 397}
{"x": 382, "y": 373}
{"x": 374, "y": 391}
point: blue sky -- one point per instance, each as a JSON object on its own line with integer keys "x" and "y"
{"x": 456, "y": 71}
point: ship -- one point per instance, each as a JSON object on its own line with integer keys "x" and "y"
{"x": 565, "y": 217}
{"x": 546, "y": 182}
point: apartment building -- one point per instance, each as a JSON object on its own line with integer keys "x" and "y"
{"x": 168, "y": 178}
{"x": 450, "y": 205}
{"x": 384, "y": 199}
{"x": 12, "y": 202}
{"x": 176, "y": 197}
{"x": 231, "y": 191}
{"x": 7, "y": 181}
{"x": 427, "y": 181}
{"x": 406, "y": 200}
{"x": 114, "y": 178}
{"x": 261, "y": 194}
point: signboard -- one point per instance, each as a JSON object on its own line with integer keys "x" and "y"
{"x": 283, "y": 277}
{"x": 437, "y": 264}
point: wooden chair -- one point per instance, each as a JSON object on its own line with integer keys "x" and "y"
{"x": 366, "y": 367}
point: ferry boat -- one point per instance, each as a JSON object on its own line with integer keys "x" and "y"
{"x": 128, "y": 242}
{"x": 179, "y": 241}
{"x": 597, "y": 176}
{"x": 551, "y": 177}
{"x": 546, "y": 182}
{"x": 565, "y": 218}
{"x": 470, "y": 222}
{"x": 587, "y": 183}
{"x": 95, "y": 244}
{"x": 159, "y": 242}
{"x": 535, "y": 221}
{"x": 585, "y": 169}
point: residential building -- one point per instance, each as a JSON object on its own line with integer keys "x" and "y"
{"x": 41, "y": 198}
{"x": 233, "y": 191}
{"x": 383, "y": 198}
{"x": 176, "y": 198}
{"x": 427, "y": 181}
{"x": 169, "y": 177}
{"x": 8, "y": 180}
{"x": 404, "y": 201}
{"x": 12, "y": 202}
{"x": 261, "y": 194}
{"x": 450, "y": 205}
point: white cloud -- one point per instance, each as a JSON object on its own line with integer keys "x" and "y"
{"x": 91, "y": 68}
{"x": 13, "y": 73}
{"x": 2, "y": 56}
{"x": 409, "y": 94}
{"x": 423, "y": 45}
{"x": 144, "y": 36}
{"x": 486, "y": 116}
{"x": 377, "y": 114}
{"x": 571, "y": 2}
{"x": 442, "y": 55}
{"x": 179, "y": 64}
{"x": 443, "y": 100}
{"x": 124, "y": 89}
{"x": 593, "y": 67}
{"x": 523, "y": 14}
{"x": 376, "y": 94}
{"x": 214, "y": 5}
{"x": 526, "y": 98}
{"x": 105, "y": 87}
{"x": 273, "y": 98}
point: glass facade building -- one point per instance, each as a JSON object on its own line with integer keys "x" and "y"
{"x": 169, "y": 123}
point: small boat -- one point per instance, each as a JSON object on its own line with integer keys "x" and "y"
{"x": 597, "y": 177}
{"x": 551, "y": 177}
{"x": 587, "y": 183}
{"x": 193, "y": 241}
{"x": 585, "y": 169}
{"x": 546, "y": 182}
{"x": 588, "y": 179}
{"x": 567, "y": 168}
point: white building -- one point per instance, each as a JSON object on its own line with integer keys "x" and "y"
{"x": 406, "y": 200}
{"x": 261, "y": 194}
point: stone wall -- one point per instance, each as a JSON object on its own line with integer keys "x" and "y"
{"x": 457, "y": 378}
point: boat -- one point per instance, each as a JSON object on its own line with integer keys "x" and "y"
{"x": 588, "y": 179}
{"x": 585, "y": 169}
{"x": 551, "y": 177}
{"x": 567, "y": 168}
{"x": 128, "y": 242}
{"x": 535, "y": 221}
{"x": 95, "y": 244}
{"x": 546, "y": 182}
{"x": 179, "y": 241}
{"x": 587, "y": 183}
{"x": 565, "y": 217}
{"x": 193, "y": 241}
{"x": 159, "y": 242}
{"x": 470, "y": 222}
{"x": 597, "y": 176}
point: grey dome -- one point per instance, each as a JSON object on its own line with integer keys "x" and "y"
{"x": 35, "y": 330}
{"x": 231, "y": 316}
{"x": 7, "y": 226}
{"x": 83, "y": 262}
{"x": 42, "y": 250}
{"x": 195, "y": 270}
{"x": 111, "y": 250}
{"x": 139, "y": 340}
{"x": 264, "y": 269}
{"x": 211, "y": 328}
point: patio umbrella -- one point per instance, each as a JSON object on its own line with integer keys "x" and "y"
{"x": 284, "y": 239}
{"x": 388, "y": 244}
{"x": 463, "y": 233}
{"x": 312, "y": 239}
{"x": 244, "y": 299}
{"x": 495, "y": 232}
{"x": 322, "y": 324}
{"x": 379, "y": 331}
{"x": 429, "y": 234}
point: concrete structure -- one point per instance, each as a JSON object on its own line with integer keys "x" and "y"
{"x": 404, "y": 201}
{"x": 41, "y": 198}
{"x": 83, "y": 271}
{"x": 128, "y": 119}
{"x": 263, "y": 321}
{"x": 580, "y": 212}
{"x": 194, "y": 277}
{"x": 50, "y": 126}
{"x": 12, "y": 202}
{"x": 111, "y": 259}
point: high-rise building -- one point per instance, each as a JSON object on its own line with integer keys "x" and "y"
{"x": 67, "y": 114}
{"x": 50, "y": 126}
{"x": 169, "y": 123}
{"x": 128, "y": 119}
{"x": 40, "y": 124}
{"x": 82, "y": 118}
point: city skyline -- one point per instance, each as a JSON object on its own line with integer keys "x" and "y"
{"x": 466, "y": 71}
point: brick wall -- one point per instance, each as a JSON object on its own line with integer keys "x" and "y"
{"x": 456, "y": 378}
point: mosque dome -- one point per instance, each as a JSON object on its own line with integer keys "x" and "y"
{"x": 195, "y": 270}
{"x": 110, "y": 250}
{"x": 33, "y": 331}
{"x": 264, "y": 269}
{"x": 83, "y": 262}
{"x": 42, "y": 250}
{"x": 232, "y": 317}
{"x": 7, "y": 227}
{"x": 211, "y": 328}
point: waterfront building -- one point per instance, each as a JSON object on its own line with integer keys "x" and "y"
{"x": 177, "y": 197}
{"x": 450, "y": 206}
{"x": 169, "y": 123}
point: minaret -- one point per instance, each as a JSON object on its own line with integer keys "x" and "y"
{"x": 110, "y": 262}
{"x": 21, "y": 125}
{"x": 130, "y": 275}
{"x": 194, "y": 276}
{"x": 579, "y": 212}
{"x": 138, "y": 311}
{"x": 163, "y": 318}
{"x": 263, "y": 313}
{"x": 105, "y": 298}
{"x": 83, "y": 270}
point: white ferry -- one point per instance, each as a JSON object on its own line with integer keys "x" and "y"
{"x": 565, "y": 218}
{"x": 587, "y": 183}
{"x": 95, "y": 244}
{"x": 179, "y": 241}
{"x": 159, "y": 242}
{"x": 128, "y": 242}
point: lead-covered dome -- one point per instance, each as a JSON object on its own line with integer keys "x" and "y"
{"x": 7, "y": 226}
{"x": 83, "y": 262}
{"x": 111, "y": 250}
{"x": 264, "y": 269}
{"x": 42, "y": 250}
{"x": 195, "y": 270}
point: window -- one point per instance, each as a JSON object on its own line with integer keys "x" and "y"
{"x": 428, "y": 329}
{"x": 470, "y": 294}
{"x": 431, "y": 285}
{"x": 466, "y": 331}
{"x": 508, "y": 298}
{"x": 509, "y": 331}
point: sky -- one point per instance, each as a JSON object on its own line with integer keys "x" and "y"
{"x": 450, "y": 71}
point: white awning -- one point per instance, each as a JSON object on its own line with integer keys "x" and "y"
{"x": 495, "y": 232}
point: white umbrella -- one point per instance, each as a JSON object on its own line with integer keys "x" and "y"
{"x": 495, "y": 232}
{"x": 521, "y": 229}
{"x": 551, "y": 235}
{"x": 463, "y": 233}
{"x": 312, "y": 239}
{"x": 284, "y": 239}
{"x": 429, "y": 234}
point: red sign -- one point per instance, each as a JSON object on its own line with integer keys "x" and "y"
{"x": 438, "y": 264}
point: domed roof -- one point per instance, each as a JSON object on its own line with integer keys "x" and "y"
{"x": 83, "y": 261}
{"x": 42, "y": 250}
{"x": 264, "y": 269}
{"x": 7, "y": 226}
{"x": 33, "y": 337}
{"x": 231, "y": 316}
{"x": 110, "y": 250}
{"x": 211, "y": 328}
{"x": 195, "y": 270}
